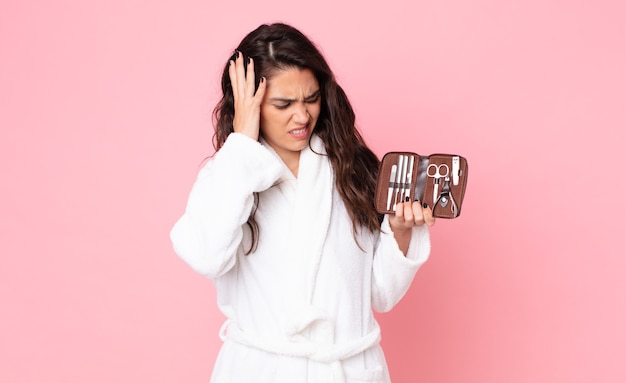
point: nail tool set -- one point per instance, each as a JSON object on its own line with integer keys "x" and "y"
{"x": 439, "y": 180}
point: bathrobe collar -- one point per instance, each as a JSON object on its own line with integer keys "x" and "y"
{"x": 307, "y": 230}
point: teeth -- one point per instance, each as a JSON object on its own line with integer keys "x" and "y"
{"x": 298, "y": 131}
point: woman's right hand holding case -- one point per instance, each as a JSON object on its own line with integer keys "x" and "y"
{"x": 247, "y": 102}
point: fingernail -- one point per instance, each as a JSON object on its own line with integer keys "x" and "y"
{"x": 249, "y": 60}
{"x": 425, "y": 205}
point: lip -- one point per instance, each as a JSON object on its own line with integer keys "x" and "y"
{"x": 300, "y": 133}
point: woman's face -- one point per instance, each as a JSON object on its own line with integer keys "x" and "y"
{"x": 289, "y": 112}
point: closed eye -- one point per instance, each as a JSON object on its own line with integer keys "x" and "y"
{"x": 314, "y": 98}
{"x": 282, "y": 106}
{"x": 284, "y": 103}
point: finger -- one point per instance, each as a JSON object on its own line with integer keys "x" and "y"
{"x": 260, "y": 92}
{"x": 418, "y": 213}
{"x": 408, "y": 213}
{"x": 232, "y": 74}
{"x": 399, "y": 213}
{"x": 240, "y": 74}
{"x": 250, "y": 78}
{"x": 403, "y": 218}
{"x": 428, "y": 215}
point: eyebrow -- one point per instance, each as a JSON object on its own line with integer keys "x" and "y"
{"x": 310, "y": 97}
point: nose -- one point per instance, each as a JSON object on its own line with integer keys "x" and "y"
{"x": 301, "y": 114}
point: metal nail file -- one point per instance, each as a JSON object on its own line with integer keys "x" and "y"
{"x": 409, "y": 176}
{"x": 392, "y": 180}
{"x": 405, "y": 162}
{"x": 420, "y": 178}
{"x": 398, "y": 179}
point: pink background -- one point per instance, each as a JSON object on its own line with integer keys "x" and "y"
{"x": 105, "y": 118}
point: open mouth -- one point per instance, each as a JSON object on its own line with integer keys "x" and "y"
{"x": 299, "y": 133}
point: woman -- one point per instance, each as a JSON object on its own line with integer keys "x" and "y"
{"x": 282, "y": 220}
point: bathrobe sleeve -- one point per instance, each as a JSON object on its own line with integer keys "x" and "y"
{"x": 210, "y": 232}
{"x": 392, "y": 271}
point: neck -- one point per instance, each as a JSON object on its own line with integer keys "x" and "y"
{"x": 292, "y": 162}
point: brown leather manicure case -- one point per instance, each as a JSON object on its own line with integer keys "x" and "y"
{"x": 438, "y": 180}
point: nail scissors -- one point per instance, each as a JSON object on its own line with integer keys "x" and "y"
{"x": 437, "y": 174}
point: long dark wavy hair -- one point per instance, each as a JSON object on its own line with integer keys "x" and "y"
{"x": 278, "y": 47}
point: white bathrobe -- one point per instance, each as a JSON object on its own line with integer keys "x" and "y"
{"x": 298, "y": 308}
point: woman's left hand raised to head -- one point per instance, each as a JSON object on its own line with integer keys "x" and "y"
{"x": 408, "y": 215}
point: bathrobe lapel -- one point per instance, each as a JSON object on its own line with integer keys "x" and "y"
{"x": 311, "y": 214}
{"x": 306, "y": 235}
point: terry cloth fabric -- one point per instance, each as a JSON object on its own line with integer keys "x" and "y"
{"x": 299, "y": 307}
{"x": 306, "y": 237}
